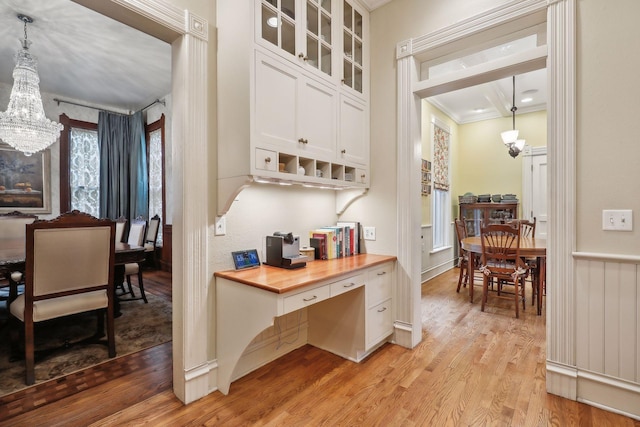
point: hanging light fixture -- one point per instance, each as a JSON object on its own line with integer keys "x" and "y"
{"x": 24, "y": 125}
{"x": 510, "y": 137}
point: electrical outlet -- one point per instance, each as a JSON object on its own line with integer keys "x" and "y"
{"x": 221, "y": 226}
{"x": 369, "y": 233}
{"x": 617, "y": 220}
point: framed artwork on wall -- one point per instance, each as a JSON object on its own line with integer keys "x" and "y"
{"x": 25, "y": 181}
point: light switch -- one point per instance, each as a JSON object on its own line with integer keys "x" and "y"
{"x": 617, "y": 220}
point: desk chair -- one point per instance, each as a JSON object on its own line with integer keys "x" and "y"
{"x": 136, "y": 237}
{"x": 501, "y": 261}
{"x": 53, "y": 290}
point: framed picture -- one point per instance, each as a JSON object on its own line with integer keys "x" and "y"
{"x": 25, "y": 181}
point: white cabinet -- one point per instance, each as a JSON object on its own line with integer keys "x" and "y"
{"x": 379, "y": 321}
{"x": 354, "y": 131}
{"x": 286, "y": 112}
{"x": 354, "y": 61}
{"x": 293, "y": 113}
{"x": 355, "y": 321}
{"x": 303, "y": 31}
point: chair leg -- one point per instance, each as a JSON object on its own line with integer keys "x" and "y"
{"x": 129, "y": 284}
{"x": 517, "y": 285}
{"x": 111, "y": 336}
{"x": 29, "y": 352}
{"x": 485, "y": 291}
{"x": 141, "y": 285}
{"x": 460, "y": 277}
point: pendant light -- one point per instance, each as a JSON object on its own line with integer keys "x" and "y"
{"x": 24, "y": 125}
{"x": 510, "y": 137}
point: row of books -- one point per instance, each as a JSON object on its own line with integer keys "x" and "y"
{"x": 340, "y": 240}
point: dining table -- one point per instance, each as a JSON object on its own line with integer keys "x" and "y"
{"x": 530, "y": 247}
{"x": 13, "y": 254}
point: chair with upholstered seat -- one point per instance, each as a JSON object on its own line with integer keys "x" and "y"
{"x": 136, "y": 237}
{"x": 151, "y": 238}
{"x": 54, "y": 290}
{"x": 12, "y": 231}
{"x": 501, "y": 262}
{"x": 121, "y": 223}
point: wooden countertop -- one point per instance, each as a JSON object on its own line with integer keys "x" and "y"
{"x": 281, "y": 280}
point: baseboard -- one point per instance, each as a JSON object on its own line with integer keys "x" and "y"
{"x": 610, "y": 394}
{"x": 562, "y": 380}
{"x": 196, "y": 383}
{"x": 604, "y": 392}
{"x": 436, "y": 270}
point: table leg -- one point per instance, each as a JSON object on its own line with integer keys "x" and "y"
{"x": 471, "y": 274}
{"x": 118, "y": 278}
{"x": 541, "y": 275}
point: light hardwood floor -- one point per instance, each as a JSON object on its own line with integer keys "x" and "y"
{"x": 471, "y": 368}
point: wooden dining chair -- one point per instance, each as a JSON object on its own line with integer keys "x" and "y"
{"x": 463, "y": 258}
{"x": 136, "y": 238}
{"x": 53, "y": 290}
{"x": 501, "y": 262}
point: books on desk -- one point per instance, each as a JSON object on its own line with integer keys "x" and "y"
{"x": 340, "y": 240}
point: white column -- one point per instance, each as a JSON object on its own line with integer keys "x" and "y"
{"x": 561, "y": 113}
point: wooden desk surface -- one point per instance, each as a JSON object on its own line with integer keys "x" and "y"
{"x": 281, "y": 280}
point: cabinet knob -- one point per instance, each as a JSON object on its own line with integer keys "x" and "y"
{"x": 343, "y": 151}
{"x": 267, "y": 159}
{"x": 302, "y": 140}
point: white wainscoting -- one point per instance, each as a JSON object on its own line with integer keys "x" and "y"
{"x": 608, "y": 331}
{"x": 436, "y": 263}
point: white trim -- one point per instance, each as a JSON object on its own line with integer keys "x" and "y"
{"x": 440, "y": 249}
{"x": 596, "y": 256}
{"x": 188, "y": 34}
{"x": 409, "y": 150}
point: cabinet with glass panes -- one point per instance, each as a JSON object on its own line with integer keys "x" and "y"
{"x": 329, "y": 36}
{"x": 301, "y": 30}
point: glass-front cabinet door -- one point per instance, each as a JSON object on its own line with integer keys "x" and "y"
{"x": 352, "y": 41}
{"x": 301, "y": 28}
{"x": 278, "y": 23}
{"x": 319, "y": 35}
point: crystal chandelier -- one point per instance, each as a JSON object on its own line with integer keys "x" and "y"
{"x": 24, "y": 125}
{"x": 510, "y": 137}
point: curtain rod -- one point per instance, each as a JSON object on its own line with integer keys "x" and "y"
{"x": 157, "y": 101}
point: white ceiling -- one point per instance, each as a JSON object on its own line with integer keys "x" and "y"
{"x": 83, "y": 55}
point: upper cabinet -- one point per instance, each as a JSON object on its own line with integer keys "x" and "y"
{"x": 352, "y": 48}
{"x": 292, "y": 94}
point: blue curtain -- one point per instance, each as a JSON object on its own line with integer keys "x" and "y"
{"x": 123, "y": 166}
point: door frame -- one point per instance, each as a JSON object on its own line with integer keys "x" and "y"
{"x": 560, "y": 17}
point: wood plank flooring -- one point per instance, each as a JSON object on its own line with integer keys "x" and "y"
{"x": 471, "y": 368}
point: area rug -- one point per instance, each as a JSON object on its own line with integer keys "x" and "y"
{"x": 141, "y": 326}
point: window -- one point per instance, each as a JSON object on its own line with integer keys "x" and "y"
{"x": 441, "y": 217}
{"x": 155, "y": 156}
{"x": 84, "y": 170}
{"x": 79, "y": 160}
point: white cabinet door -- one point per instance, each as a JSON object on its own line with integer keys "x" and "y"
{"x": 293, "y": 113}
{"x": 353, "y": 140}
{"x": 317, "y": 118}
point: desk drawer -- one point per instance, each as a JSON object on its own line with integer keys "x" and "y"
{"x": 379, "y": 284}
{"x": 379, "y": 323}
{"x": 347, "y": 285}
{"x": 307, "y": 298}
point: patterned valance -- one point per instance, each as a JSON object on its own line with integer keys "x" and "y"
{"x": 441, "y": 139}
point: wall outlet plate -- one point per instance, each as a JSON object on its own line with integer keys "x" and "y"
{"x": 369, "y": 233}
{"x": 221, "y": 226}
{"x": 617, "y": 220}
